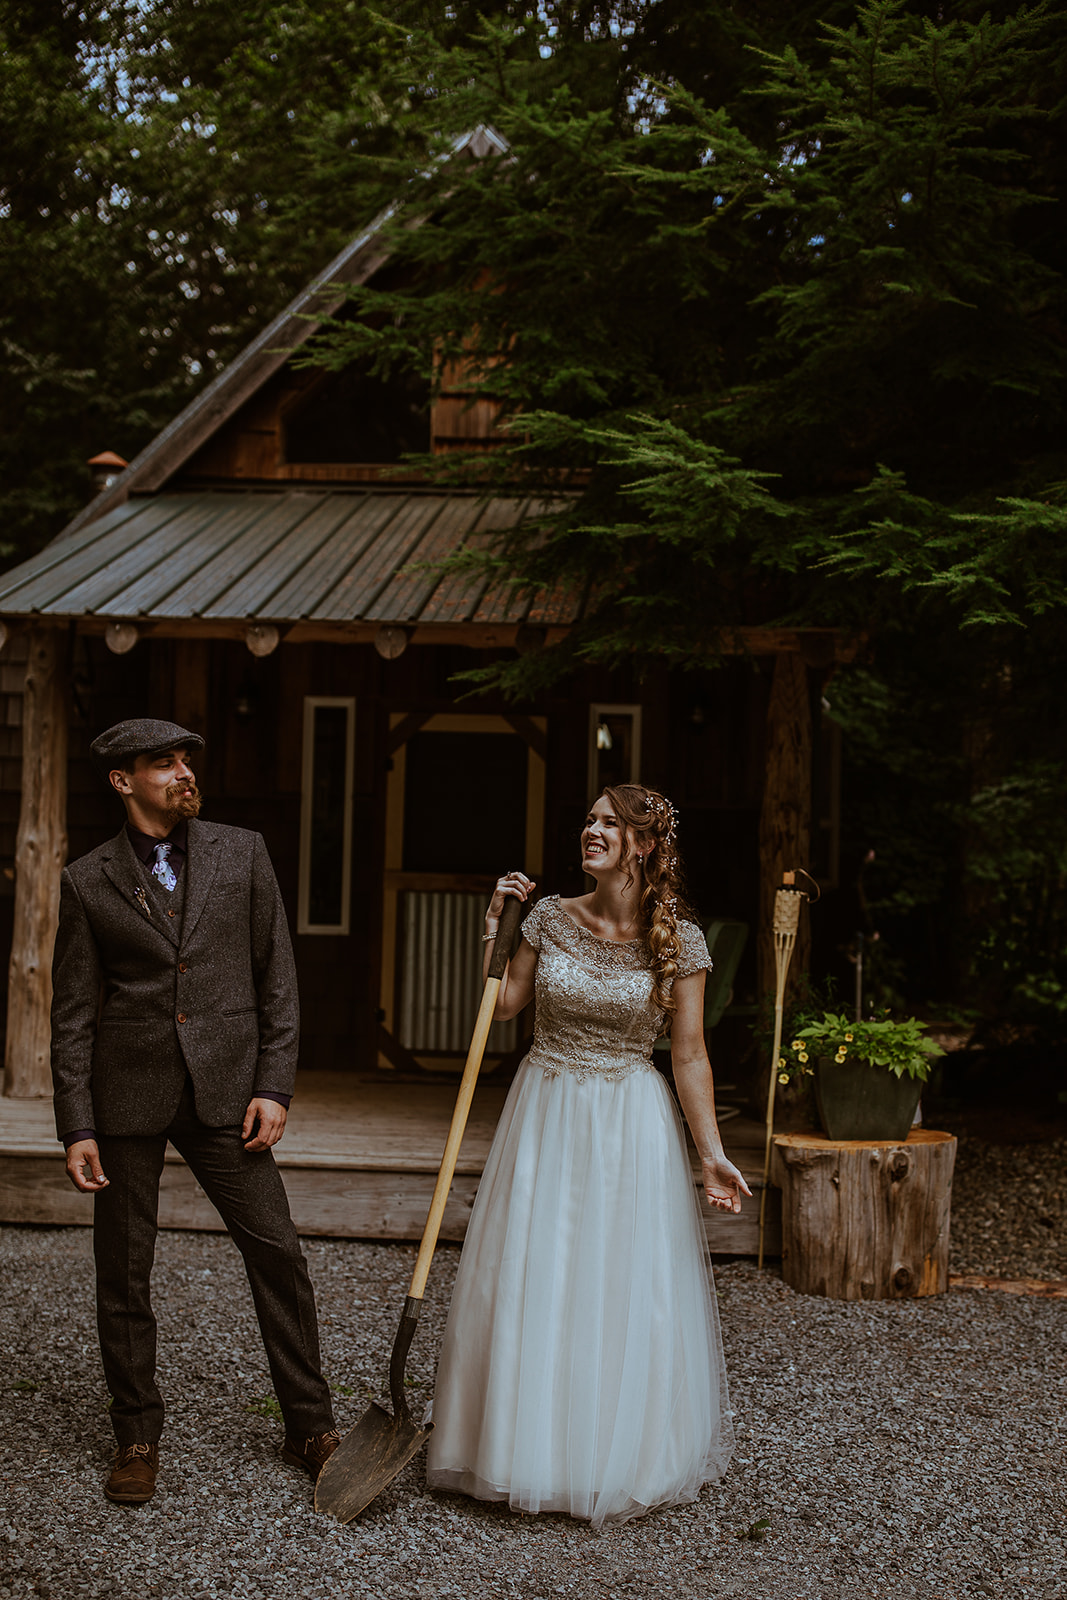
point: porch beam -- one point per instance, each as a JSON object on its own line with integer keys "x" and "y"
{"x": 528, "y": 730}
{"x": 40, "y": 853}
{"x": 820, "y": 647}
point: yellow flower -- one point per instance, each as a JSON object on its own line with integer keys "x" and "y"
{"x": 848, "y": 1038}
{"x": 798, "y": 1044}
{"x": 782, "y": 1062}
{"x": 803, "y": 1055}
{"x": 783, "y": 1077}
{"x": 841, "y": 1054}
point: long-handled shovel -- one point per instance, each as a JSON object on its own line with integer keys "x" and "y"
{"x": 380, "y": 1445}
{"x": 787, "y": 902}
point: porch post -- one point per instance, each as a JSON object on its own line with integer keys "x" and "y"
{"x": 40, "y": 852}
{"x": 785, "y": 815}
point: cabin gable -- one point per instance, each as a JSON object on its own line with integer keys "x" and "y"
{"x": 308, "y": 425}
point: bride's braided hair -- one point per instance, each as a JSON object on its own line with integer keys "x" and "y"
{"x": 650, "y": 825}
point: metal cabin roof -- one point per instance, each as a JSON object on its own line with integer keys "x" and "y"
{"x": 207, "y": 411}
{"x": 329, "y": 556}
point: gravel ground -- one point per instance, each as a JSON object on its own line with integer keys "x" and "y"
{"x": 1009, "y": 1209}
{"x": 904, "y": 1449}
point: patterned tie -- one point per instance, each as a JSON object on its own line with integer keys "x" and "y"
{"x": 161, "y": 867}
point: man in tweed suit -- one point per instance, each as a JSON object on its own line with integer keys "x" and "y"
{"x": 175, "y": 1017}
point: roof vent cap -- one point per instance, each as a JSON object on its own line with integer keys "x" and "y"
{"x": 105, "y": 468}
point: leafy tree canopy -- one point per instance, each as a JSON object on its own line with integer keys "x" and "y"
{"x": 794, "y": 327}
{"x": 776, "y": 291}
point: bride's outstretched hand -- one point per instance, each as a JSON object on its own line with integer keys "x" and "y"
{"x": 723, "y": 1184}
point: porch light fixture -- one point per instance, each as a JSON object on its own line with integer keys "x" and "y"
{"x": 120, "y": 637}
{"x": 262, "y": 638}
{"x": 391, "y": 642}
{"x": 604, "y": 740}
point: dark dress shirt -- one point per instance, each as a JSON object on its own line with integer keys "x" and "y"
{"x": 144, "y": 845}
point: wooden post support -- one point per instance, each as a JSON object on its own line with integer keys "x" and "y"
{"x": 865, "y": 1219}
{"x": 785, "y": 815}
{"x": 40, "y": 852}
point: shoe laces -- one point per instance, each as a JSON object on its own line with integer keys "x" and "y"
{"x": 128, "y": 1451}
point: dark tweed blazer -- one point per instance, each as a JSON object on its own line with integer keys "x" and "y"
{"x": 140, "y": 999}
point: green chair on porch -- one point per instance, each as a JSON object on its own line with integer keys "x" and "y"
{"x": 726, "y": 943}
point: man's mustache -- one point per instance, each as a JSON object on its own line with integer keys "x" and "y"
{"x": 183, "y": 797}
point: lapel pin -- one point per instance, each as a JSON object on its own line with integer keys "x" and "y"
{"x": 142, "y": 900}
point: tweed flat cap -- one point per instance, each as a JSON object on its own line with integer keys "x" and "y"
{"x": 142, "y": 736}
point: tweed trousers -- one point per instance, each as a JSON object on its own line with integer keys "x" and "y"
{"x": 247, "y": 1191}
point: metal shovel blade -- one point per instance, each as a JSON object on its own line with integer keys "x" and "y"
{"x": 368, "y": 1458}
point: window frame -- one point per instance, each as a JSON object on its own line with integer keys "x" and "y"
{"x": 312, "y": 703}
{"x": 597, "y": 709}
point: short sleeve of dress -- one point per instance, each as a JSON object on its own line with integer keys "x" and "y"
{"x": 531, "y": 928}
{"x": 693, "y": 951}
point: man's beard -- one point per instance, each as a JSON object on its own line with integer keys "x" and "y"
{"x": 183, "y": 800}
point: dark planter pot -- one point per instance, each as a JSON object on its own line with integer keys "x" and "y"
{"x": 859, "y": 1101}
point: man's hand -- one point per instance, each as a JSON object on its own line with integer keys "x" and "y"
{"x": 268, "y": 1119}
{"x": 82, "y": 1155}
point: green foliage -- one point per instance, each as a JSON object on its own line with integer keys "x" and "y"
{"x": 898, "y": 1045}
{"x": 173, "y": 173}
{"x": 264, "y": 1405}
{"x": 772, "y": 302}
{"x": 829, "y": 282}
{"x": 1019, "y": 833}
{"x": 957, "y": 759}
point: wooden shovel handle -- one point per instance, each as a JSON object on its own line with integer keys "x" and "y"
{"x": 505, "y": 938}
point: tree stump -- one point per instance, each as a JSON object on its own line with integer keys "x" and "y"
{"x": 865, "y": 1219}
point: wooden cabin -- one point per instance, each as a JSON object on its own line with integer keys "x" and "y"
{"x": 263, "y": 573}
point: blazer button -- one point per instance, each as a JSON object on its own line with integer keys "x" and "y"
{"x": 181, "y": 1016}
{"x": 170, "y": 913}
{"x": 182, "y": 967}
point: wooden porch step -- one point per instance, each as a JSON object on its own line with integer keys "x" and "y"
{"x": 359, "y": 1160}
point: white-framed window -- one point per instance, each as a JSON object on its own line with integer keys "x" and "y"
{"x": 326, "y": 815}
{"x": 614, "y": 746}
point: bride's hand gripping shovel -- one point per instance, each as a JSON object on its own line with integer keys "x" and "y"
{"x": 380, "y": 1444}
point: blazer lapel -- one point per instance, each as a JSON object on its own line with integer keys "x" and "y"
{"x": 127, "y": 875}
{"x": 201, "y": 864}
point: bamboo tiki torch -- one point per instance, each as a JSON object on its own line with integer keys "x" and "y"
{"x": 787, "y": 903}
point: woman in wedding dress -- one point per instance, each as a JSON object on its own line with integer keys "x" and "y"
{"x": 581, "y": 1369}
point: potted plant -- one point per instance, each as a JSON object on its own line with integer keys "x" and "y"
{"x": 868, "y": 1075}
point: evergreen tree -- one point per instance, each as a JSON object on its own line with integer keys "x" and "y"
{"x": 777, "y": 293}
{"x": 789, "y": 320}
{"x": 172, "y": 174}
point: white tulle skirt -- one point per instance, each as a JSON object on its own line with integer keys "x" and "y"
{"x": 582, "y": 1369}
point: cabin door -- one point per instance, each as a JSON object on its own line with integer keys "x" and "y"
{"x": 465, "y": 803}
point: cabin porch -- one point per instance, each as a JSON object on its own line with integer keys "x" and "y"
{"x": 359, "y": 1159}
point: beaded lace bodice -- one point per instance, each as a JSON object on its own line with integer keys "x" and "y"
{"x": 594, "y": 1011}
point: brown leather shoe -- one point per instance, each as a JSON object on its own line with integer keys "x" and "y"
{"x": 312, "y": 1453}
{"x": 133, "y": 1474}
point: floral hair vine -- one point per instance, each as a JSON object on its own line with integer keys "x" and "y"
{"x": 660, "y": 807}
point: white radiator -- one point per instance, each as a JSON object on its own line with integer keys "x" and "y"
{"x": 440, "y": 958}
